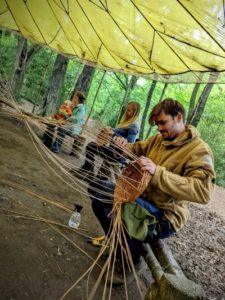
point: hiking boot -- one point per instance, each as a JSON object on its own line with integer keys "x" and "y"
{"x": 55, "y": 150}
{"x": 73, "y": 153}
{"x": 118, "y": 273}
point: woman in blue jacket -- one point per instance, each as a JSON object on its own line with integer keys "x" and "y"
{"x": 128, "y": 128}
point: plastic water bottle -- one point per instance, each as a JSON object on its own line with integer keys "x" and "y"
{"x": 75, "y": 218}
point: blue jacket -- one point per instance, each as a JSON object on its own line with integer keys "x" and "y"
{"x": 77, "y": 118}
{"x": 130, "y": 133}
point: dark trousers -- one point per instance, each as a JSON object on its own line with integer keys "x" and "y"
{"x": 102, "y": 207}
{"x": 105, "y": 152}
{"x": 61, "y": 133}
{"x": 48, "y": 135}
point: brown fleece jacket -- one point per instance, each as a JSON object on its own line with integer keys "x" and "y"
{"x": 184, "y": 173}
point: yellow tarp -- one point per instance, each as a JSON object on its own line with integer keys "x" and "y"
{"x": 133, "y": 36}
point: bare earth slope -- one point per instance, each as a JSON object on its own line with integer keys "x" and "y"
{"x": 36, "y": 262}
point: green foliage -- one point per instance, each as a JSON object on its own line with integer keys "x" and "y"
{"x": 37, "y": 75}
{"x": 109, "y": 98}
{"x": 73, "y": 70}
{"x": 212, "y": 128}
{"x": 8, "y": 44}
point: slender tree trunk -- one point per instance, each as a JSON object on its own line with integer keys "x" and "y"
{"x": 148, "y": 103}
{"x": 76, "y": 75}
{"x": 96, "y": 95}
{"x": 202, "y": 101}
{"x": 84, "y": 81}
{"x": 163, "y": 91}
{"x": 125, "y": 100}
{"x": 193, "y": 99}
{"x": 20, "y": 65}
{"x": 23, "y": 57}
{"x": 160, "y": 99}
{"x": 37, "y": 93}
{"x": 51, "y": 100}
{"x": 148, "y": 132}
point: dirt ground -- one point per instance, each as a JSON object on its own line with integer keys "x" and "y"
{"x": 41, "y": 260}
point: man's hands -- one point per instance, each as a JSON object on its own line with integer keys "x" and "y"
{"x": 147, "y": 164}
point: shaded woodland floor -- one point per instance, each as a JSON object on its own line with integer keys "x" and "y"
{"x": 40, "y": 260}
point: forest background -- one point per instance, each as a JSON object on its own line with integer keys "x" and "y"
{"x": 45, "y": 79}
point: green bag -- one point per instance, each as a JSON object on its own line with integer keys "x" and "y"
{"x": 137, "y": 219}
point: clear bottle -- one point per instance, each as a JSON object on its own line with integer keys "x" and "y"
{"x": 75, "y": 218}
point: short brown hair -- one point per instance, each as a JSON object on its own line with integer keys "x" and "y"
{"x": 169, "y": 106}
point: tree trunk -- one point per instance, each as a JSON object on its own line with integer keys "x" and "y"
{"x": 84, "y": 81}
{"x": 95, "y": 98}
{"x": 202, "y": 101}
{"x": 148, "y": 102}
{"x": 20, "y": 65}
{"x": 128, "y": 91}
{"x": 193, "y": 99}
{"x": 51, "y": 100}
{"x": 160, "y": 99}
{"x": 23, "y": 57}
{"x": 163, "y": 91}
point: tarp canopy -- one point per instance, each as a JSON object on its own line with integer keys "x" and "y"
{"x": 157, "y": 38}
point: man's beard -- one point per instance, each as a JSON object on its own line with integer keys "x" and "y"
{"x": 167, "y": 138}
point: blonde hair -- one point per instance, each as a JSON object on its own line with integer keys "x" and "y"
{"x": 125, "y": 122}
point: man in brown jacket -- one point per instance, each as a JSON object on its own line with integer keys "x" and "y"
{"x": 182, "y": 169}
